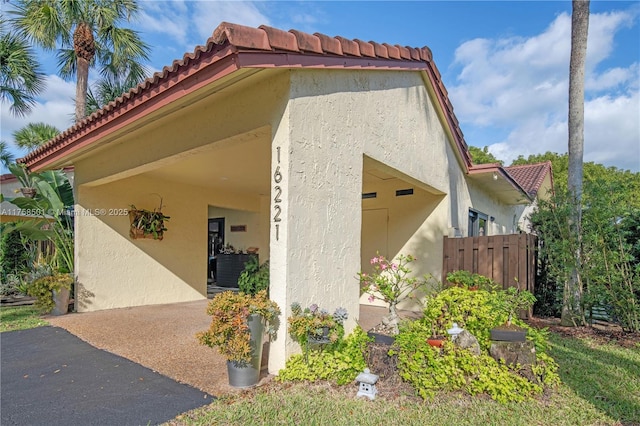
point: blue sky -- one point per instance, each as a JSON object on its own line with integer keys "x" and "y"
{"x": 505, "y": 64}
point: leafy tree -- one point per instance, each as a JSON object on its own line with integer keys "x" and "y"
{"x": 627, "y": 183}
{"x": 87, "y": 34}
{"x": 21, "y": 79}
{"x": 109, "y": 89}
{"x": 6, "y": 157}
{"x": 33, "y": 135}
{"x": 482, "y": 156}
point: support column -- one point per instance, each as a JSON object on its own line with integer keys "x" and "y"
{"x": 315, "y": 223}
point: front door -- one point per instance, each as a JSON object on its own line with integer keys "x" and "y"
{"x": 215, "y": 244}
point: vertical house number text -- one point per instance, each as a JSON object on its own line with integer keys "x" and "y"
{"x": 277, "y": 190}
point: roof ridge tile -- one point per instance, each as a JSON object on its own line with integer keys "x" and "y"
{"x": 307, "y": 42}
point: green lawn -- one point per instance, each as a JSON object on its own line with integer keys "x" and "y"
{"x": 601, "y": 386}
{"x": 20, "y": 318}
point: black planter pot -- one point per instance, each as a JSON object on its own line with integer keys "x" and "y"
{"x": 229, "y": 267}
{"x": 382, "y": 338}
{"x": 245, "y": 375}
{"x": 508, "y": 335}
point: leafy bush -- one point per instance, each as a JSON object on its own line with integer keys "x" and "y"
{"x": 471, "y": 281}
{"x": 430, "y": 370}
{"x": 341, "y": 364}
{"x": 609, "y": 266}
{"x": 255, "y": 277}
{"x": 14, "y": 256}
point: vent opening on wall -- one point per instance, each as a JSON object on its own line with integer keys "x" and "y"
{"x": 369, "y": 195}
{"x": 401, "y": 192}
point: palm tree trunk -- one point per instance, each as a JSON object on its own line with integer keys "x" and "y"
{"x": 81, "y": 88}
{"x": 572, "y": 313}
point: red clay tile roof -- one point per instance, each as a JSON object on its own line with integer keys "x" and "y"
{"x": 230, "y": 48}
{"x": 530, "y": 176}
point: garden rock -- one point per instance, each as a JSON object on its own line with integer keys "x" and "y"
{"x": 512, "y": 353}
{"x": 378, "y": 360}
{"x": 466, "y": 340}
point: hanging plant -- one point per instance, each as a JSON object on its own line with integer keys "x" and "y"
{"x": 147, "y": 223}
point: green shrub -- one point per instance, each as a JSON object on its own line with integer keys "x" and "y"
{"x": 471, "y": 281}
{"x": 430, "y": 370}
{"x": 341, "y": 364}
{"x": 255, "y": 277}
{"x": 14, "y": 256}
{"x": 42, "y": 289}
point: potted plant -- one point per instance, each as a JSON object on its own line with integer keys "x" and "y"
{"x": 390, "y": 282}
{"x": 52, "y": 292}
{"x": 238, "y": 321}
{"x": 435, "y": 340}
{"x": 147, "y": 223}
{"x": 28, "y": 188}
{"x": 511, "y": 301}
{"x": 315, "y": 325}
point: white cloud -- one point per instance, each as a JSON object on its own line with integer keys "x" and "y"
{"x": 520, "y": 85}
{"x": 208, "y": 14}
{"x": 56, "y": 107}
{"x": 172, "y": 21}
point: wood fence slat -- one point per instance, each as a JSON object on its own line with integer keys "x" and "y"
{"x": 483, "y": 266}
{"x": 503, "y": 258}
{"x": 467, "y": 254}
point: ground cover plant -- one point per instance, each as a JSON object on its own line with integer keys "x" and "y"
{"x": 591, "y": 393}
{"x": 452, "y": 368}
{"x": 20, "y": 318}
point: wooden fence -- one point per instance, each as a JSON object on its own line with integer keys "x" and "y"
{"x": 503, "y": 258}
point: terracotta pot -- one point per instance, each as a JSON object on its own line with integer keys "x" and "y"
{"x": 436, "y": 342}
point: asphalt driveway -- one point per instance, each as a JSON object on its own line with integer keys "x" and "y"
{"x": 50, "y": 377}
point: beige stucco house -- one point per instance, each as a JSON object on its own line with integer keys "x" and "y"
{"x": 320, "y": 151}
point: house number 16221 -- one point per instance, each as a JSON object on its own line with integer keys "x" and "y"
{"x": 277, "y": 199}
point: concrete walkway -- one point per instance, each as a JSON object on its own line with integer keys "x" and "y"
{"x": 162, "y": 338}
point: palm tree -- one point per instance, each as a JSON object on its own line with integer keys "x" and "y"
{"x": 87, "y": 33}
{"x": 20, "y": 77}
{"x": 108, "y": 89}
{"x": 33, "y": 135}
{"x": 6, "y": 157}
{"x": 572, "y": 312}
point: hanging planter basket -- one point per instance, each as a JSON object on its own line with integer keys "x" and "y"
{"x": 28, "y": 192}
{"x": 146, "y": 223}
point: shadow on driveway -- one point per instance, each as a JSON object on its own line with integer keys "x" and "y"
{"x": 50, "y": 377}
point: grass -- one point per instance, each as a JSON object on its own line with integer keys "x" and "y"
{"x": 601, "y": 386}
{"x": 606, "y": 375}
{"x": 20, "y": 318}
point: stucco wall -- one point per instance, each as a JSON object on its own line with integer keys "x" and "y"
{"x": 332, "y": 120}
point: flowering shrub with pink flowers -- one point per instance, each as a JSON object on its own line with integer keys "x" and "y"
{"x": 390, "y": 282}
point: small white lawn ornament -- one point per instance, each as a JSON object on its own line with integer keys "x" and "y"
{"x": 367, "y": 384}
{"x": 454, "y": 331}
